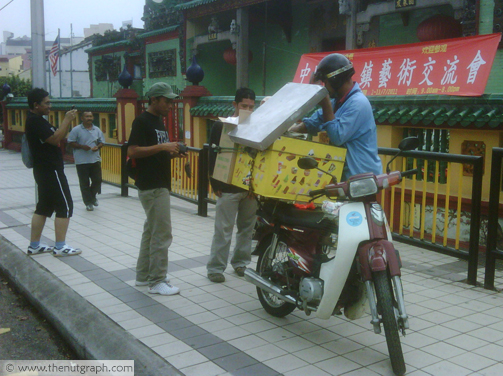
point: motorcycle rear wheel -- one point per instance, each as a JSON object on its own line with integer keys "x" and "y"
{"x": 385, "y": 306}
{"x": 267, "y": 260}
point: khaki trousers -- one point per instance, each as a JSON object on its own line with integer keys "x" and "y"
{"x": 152, "y": 264}
{"x": 232, "y": 208}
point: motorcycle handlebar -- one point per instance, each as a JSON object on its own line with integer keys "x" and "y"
{"x": 410, "y": 172}
{"x": 316, "y": 192}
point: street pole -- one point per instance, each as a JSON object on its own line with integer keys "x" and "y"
{"x": 38, "y": 44}
{"x": 60, "y": 71}
{"x": 71, "y": 61}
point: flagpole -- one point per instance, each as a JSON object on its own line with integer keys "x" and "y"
{"x": 60, "y": 72}
{"x": 50, "y": 71}
{"x": 71, "y": 61}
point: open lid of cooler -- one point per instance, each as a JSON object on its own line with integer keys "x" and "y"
{"x": 277, "y": 115}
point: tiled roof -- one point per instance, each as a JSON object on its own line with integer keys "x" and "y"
{"x": 81, "y": 104}
{"x": 158, "y": 32}
{"x": 438, "y": 110}
{"x": 425, "y": 110}
{"x": 108, "y": 45}
{"x": 193, "y": 4}
{"x": 216, "y": 106}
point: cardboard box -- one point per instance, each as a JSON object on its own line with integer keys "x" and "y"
{"x": 224, "y": 164}
{"x": 274, "y": 172}
{"x": 277, "y": 115}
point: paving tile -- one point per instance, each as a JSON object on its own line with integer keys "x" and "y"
{"x": 218, "y": 350}
{"x": 366, "y": 356}
{"x": 188, "y": 332}
{"x": 146, "y": 331}
{"x": 157, "y": 313}
{"x": 235, "y": 361}
{"x": 203, "y": 369}
{"x": 311, "y": 371}
{"x": 174, "y": 324}
{"x": 204, "y": 340}
{"x": 421, "y": 359}
{"x": 455, "y": 327}
{"x": 255, "y": 370}
{"x": 472, "y": 361}
{"x": 186, "y": 359}
{"x": 338, "y": 365}
{"x": 158, "y": 339}
{"x": 314, "y": 354}
{"x": 172, "y": 348}
{"x": 266, "y": 352}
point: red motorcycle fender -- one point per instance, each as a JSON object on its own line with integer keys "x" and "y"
{"x": 377, "y": 256}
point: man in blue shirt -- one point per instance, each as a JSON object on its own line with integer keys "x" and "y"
{"x": 86, "y": 139}
{"x": 347, "y": 118}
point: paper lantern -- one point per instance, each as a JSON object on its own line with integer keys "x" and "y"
{"x": 230, "y": 56}
{"x": 439, "y": 27}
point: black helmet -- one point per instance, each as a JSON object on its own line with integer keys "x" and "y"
{"x": 334, "y": 68}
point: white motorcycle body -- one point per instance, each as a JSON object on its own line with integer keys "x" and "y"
{"x": 353, "y": 229}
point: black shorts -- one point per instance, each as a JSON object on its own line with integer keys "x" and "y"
{"x": 53, "y": 193}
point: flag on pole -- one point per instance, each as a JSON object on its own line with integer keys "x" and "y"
{"x": 54, "y": 56}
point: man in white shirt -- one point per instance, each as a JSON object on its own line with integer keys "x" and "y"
{"x": 86, "y": 140}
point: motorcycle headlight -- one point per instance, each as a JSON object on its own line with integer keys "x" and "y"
{"x": 363, "y": 187}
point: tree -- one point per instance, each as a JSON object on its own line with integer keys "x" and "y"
{"x": 19, "y": 86}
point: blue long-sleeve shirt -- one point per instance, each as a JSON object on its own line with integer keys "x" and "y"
{"x": 353, "y": 128}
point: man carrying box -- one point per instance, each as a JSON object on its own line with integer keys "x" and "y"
{"x": 234, "y": 206}
{"x": 353, "y": 125}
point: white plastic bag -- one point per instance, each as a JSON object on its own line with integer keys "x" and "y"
{"x": 26, "y": 152}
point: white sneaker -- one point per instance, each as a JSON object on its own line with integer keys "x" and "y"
{"x": 42, "y": 248}
{"x": 163, "y": 288}
{"x": 146, "y": 283}
{"x": 66, "y": 251}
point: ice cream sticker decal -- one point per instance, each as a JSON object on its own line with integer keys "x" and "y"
{"x": 354, "y": 219}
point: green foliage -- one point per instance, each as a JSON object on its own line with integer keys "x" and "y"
{"x": 19, "y": 86}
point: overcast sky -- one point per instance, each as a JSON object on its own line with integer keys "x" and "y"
{"x": 15, "y": 17}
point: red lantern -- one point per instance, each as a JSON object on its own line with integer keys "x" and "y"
{"x": 439, "y": 27}
{"x": 230, "y": 56}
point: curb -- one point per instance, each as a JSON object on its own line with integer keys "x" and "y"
{"x": 87, "y": 330}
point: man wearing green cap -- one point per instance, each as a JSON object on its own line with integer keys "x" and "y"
{"x": 149, "y": 145}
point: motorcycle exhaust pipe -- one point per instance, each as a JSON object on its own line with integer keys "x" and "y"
{"x": 253, "y": 277}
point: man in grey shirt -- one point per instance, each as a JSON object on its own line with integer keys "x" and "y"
{"x": 86, "y": 140}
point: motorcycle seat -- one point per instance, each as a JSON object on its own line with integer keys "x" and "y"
{"x": 287, "y": 214}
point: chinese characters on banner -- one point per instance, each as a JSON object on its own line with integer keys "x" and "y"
{"x": 458, "y": 66}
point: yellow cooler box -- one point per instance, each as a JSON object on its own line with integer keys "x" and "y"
{"x": 274, "y": 172}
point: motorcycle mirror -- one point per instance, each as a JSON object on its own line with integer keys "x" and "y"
{"x": 307, "y": 163}
{"x": 408, "y": 143}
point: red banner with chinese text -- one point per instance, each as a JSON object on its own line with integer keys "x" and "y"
{"x": 458, "y": 66}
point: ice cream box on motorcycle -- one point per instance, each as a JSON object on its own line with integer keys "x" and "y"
{"x": 274, "y": 172}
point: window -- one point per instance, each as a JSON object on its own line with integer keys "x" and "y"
{"x": 104, "y": 125}
{"x": 162, "y": 63}
{"x": 107, "y": 68}
{"x": 112, "y": 125}
{"x": 434, "y": 140}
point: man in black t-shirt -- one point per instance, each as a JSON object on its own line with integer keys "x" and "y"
{"x": 53, "y": 190}
{"x": 149, "y": 145}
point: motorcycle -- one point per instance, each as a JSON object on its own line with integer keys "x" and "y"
{"x": 335, "y": 259}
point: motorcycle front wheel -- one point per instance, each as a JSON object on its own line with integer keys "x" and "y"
{"x": 385, "y": 307}
{"x": 270, "y": 265}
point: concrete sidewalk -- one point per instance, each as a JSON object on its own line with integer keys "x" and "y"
{"x": 221, "y": 329}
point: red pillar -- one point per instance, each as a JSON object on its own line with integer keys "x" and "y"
{"x": 190, "y": 95}
{"x": 6, "y": 132}
{"x": 125, "y": 114}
